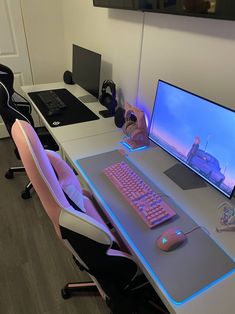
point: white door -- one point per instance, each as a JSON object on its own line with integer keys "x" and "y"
{"x": 13, "y": 46}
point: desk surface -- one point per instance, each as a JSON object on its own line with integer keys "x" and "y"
{"x": 78, "y": 130}
{"x": 87, "y": 139}
{"x": 200, "y": 204}
{"x": 92, "y": 145}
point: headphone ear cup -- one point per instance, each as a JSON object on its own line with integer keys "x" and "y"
{"x": 131, "y": 129}
{"x": 104, "y": 99}
{"x": 128, "y": 127}
{"x": 101, "y": 98}
{"x": 115, "y": 103}
{"x": 112, "y": 104}
{"x": 107, "y": 101}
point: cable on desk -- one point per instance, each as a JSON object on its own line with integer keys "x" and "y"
{"x": 198, "y": 227}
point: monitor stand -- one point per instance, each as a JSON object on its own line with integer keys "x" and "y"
{"x": 185, "y": 178}
{"x": 88, "y": 98}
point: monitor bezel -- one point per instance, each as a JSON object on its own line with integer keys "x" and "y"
{"x": 178, "y": 159}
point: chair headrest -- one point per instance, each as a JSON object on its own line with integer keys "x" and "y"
{"x": 7, "y": 78}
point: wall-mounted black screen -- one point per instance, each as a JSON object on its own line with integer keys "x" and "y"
{"x": 86, "y": 69}
{"x": 218, "y": 9}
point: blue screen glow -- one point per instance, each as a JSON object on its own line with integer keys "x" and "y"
{"x": 198, "y": 132}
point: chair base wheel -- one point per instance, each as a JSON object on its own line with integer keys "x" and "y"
{"x": 65, "y": 294}
{"x": 25, "y": 195}
{"x": 9, "y": 174}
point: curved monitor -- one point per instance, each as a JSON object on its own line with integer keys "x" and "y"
{"x": 198, "y": 132}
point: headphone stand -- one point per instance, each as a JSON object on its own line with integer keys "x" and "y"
{"x": 106, "y": 113}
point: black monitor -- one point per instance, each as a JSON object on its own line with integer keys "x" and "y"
{"x": 86, "y": 69}
{"x": 198, "y": 132}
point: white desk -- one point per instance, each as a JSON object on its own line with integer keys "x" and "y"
{"x": 200, "y": 204}
{"x": 93, "y": 145}
{"x": 91, "y": 138}
{"x": 74, "y": 131}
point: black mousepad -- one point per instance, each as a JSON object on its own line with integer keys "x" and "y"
{"x": 75, "y": 112}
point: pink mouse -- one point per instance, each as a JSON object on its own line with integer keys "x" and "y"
{"x": 170, "y": 239}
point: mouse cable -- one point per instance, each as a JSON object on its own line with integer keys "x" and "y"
{"x": 198, "y": 227}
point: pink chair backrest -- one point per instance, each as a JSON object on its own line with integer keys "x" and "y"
{"x": 81, "y": 228}
{"x": 39, "y": 170}
{"x": 39, "y": 166}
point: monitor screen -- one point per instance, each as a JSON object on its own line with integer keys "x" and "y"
{"x": 86, "y": 69}
{"x": 196, "y": 131}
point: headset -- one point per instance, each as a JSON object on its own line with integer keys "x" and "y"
{"x": 131, "y": 123}
{"x": 106, "y": 99}
{"x": 135, "y": 127}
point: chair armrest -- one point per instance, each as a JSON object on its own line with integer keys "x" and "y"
{"x": 23, "y": 107}
{"x": 21, "y": 103}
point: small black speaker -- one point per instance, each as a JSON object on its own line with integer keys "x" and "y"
{"x": 68, "y": 78}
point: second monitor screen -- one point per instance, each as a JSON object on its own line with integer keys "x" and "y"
{"x": 86, "y": 69}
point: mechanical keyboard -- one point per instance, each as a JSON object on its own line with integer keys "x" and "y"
{"x": 52, "y": 102}
{"x": 148, "y": 204}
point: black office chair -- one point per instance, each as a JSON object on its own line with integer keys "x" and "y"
{"x": 14, "y": 106}
{"x": 78, "y": 224}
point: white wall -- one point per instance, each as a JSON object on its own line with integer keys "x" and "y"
{"x": 193, "y": 53}
{"x": 115, "y": 34}
{"x": 44, "y": 31}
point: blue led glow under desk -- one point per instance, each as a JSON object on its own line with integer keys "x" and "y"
{"x": 183, "y": 273}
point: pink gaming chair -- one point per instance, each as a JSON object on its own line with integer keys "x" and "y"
{"x": 78, "y": 224}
